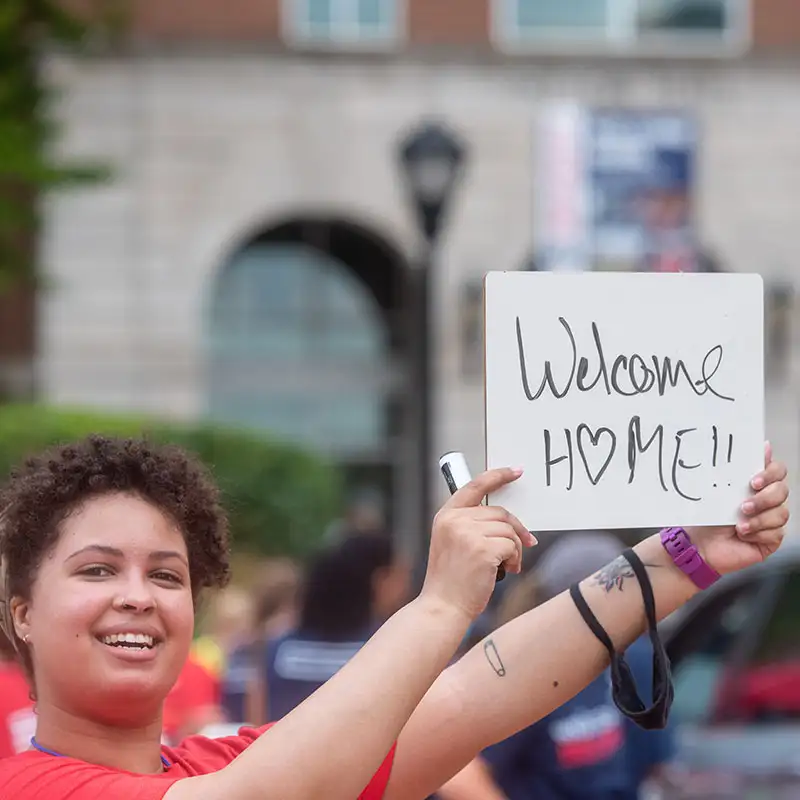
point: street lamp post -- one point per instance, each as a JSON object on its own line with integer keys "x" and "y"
{"x": 431, "y": 158}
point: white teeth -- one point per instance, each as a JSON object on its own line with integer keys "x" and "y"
{"x": 141, "y": 639}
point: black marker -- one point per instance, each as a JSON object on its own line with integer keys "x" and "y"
{"x": 456, "y": 473}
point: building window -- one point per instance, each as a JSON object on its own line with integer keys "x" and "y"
{"x": 704, "y": 26}
{"x": 298, "y": 347}
{"x": 343, "y": 22}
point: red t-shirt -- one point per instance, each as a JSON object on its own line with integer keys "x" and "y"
{"x": 37, "y": 776}
{"x": 17, "y": 720}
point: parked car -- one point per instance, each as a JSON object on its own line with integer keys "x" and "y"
{"x": 735, "y": 653}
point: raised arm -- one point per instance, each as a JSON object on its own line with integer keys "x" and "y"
{"x": 538, "y": 661}
{"x": 332, "y": 744}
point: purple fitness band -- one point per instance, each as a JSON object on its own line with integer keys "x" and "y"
{"x": 687, "y": 558}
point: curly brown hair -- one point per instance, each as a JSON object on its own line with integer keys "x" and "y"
{"x": 42, "y": 492}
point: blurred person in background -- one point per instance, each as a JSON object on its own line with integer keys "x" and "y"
{"x": 275, "y": 608}
{"x": 195, "y": 701}
{"x": 17, "y": 717}
{"x": 352, "y": 586}
{"x": 365, "y": 513}
{"x": 277, "y": 596}
{"x": 585, "y": 748}
{"x": 228, "y": 624}
{"x": 193, "y": 704}
{"x": 665, "y": 210}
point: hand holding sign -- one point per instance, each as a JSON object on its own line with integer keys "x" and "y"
{"x": 632, "y": 400}
{"x": 760, "y": 530}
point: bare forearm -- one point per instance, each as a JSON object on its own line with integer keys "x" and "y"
{"x": 538, "y": 661}
{"x": 350, "y": 723}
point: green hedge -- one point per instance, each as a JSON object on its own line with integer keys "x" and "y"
{"x": 280, "y": 498}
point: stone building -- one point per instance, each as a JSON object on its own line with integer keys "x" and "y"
{"x": 250, "y": 259}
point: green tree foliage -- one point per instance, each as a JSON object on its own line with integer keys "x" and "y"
{"x": 280, "y": 499}
{"x": 27, "y": 129}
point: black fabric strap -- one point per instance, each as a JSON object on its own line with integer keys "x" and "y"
{"x": 623, "y": 685}
{"x": 662, "y": 671}
{"x": 590, "y": 619}
{"x": 645, "y": 585}
{"x": 647, "y": 596}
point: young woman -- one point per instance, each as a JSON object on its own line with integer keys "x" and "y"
{"x": 106, "y": 545}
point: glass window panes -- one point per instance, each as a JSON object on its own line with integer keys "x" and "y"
{"x": 298, "y": 346}
{"x": 345, "y": 20}
{"x": 375, "y": 13}
{"x": 544, "y": 15}
{"x": 621, "y": 21}
{"x": 342, "y": 425}
{"x": 700, "y": 16}
{"x": 320, "y": 15}
{"x": 352, "y": 322}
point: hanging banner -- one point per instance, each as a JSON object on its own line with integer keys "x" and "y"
{"x": 615, "y": 190}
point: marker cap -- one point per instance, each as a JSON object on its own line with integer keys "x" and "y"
{"x": 455, "y": 470}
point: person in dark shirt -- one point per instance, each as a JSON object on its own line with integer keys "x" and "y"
{"x": 352, "y": 586}
{"x": 578, "y": 751}
{"x": 275, "y": 600}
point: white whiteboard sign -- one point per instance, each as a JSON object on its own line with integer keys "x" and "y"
{"x": 631, "y": 400}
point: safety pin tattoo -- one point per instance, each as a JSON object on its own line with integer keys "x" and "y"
{"x": 493, "y": 657}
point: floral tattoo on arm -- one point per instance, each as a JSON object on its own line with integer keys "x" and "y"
{"x": 614, "y": 575}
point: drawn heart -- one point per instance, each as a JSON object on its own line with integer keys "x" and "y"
{"x": 594, "y": 438}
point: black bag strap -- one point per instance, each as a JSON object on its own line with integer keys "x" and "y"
{"x": 624, "y": 690}
{"x": 590, "y": 619}
{"x": 645, "y": 585}
{"x": 647, "y": 595}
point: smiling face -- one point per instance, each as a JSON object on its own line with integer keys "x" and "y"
{"x": 110, "y": 615}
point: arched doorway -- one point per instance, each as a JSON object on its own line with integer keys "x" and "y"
{"x": 305, "y": 341}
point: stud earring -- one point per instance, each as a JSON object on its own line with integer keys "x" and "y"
{"x": 26, "y": 638}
